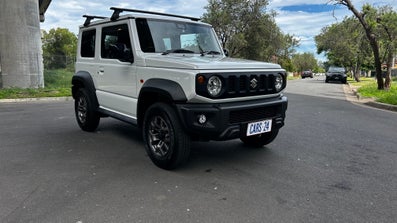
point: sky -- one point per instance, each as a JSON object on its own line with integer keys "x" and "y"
{"x": 295, "y": 17}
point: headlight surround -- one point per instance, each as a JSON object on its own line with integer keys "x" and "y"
{"x": 278, "y": 83}
{"x": 214, "y": 86}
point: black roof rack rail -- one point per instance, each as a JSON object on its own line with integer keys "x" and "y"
{"x": 91, "y": 17}
{"x": 117, "y": 11}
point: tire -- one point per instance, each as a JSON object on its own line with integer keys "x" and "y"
{"x": 260, "y": 140}
{"x": 86, "y": 112}
{"x": 166, "y": 143}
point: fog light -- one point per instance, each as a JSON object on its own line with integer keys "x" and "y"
{"x": 202, "y": 119}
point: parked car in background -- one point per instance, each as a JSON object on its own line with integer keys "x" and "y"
{"x": 307, "y": 73}
{"x": 336, "y": 74}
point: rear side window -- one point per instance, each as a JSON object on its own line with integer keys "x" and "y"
{"x": 88, "y": 43}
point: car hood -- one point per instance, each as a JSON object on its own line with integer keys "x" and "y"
{"x": 207, "y": 62}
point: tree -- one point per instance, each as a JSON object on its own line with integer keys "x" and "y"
{"x": 248, "y": 31}
{"x": 345, "y": 45}
{"x": 305, "y": 61}
{"x": 366, "y": 18}
{"x": 388, "y": 22}
{"x": 59, "y": 48}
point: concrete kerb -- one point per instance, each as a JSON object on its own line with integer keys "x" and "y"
{"x": 16, "y": 100}
{"x": 371, "y": 101}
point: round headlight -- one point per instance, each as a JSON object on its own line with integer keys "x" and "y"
{"x": 278, "y": 83}
{"x": 214, "y": 86}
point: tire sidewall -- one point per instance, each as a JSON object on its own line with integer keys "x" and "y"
{"x": 92, "y": 117}
{"x": 179, "y": 143}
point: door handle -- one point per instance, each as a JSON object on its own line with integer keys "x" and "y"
{"x": 101, "y": 71}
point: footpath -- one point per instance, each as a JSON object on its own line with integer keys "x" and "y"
{"x": 352, "y": 95}
{"x": 36, "y": 99}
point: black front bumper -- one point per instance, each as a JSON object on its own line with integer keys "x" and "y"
{"x": 229, "y": 120}
{"x": 336, "y": 77}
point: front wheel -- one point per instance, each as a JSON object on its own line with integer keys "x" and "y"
{"x": 260, "y": 140}
{"x": 166, "y": 143}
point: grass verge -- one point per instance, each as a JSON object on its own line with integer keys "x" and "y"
{"x": 57, "y": 84}
{"x": 368, "y": 87}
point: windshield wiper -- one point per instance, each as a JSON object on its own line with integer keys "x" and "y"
{"x": 210, "y": 52}
{"x": 176, "y": 51}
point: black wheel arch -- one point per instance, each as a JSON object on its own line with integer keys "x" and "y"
{"x": 158, "y": 90}
{"x": 83, "y": 79}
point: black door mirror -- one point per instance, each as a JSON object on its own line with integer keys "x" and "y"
{"x": 226, "y": 52}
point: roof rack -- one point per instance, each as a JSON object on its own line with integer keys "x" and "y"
{"x": 91, "y": 17}
{"x": 117, "y": 11}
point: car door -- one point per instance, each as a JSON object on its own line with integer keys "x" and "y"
{"x": 116, "y": 72}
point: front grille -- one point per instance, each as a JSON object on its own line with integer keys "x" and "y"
{"x": 249, "y": 85}
{"x": 253, "y": 114}
{"x": 242, "y": 84}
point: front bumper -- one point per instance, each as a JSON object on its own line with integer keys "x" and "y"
{"x": 229, "y": 120}
{"x": 336, "y": 77}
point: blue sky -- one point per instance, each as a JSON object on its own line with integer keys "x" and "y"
{"x": 310, "y": 8}
{"x": 295, "y": 17}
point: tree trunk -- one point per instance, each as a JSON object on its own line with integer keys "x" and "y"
{"x": 372, "y": 40}
{"x": 378, "y": 64}
{"x": 356, "y": 72}
{"x": 389, "y": 68}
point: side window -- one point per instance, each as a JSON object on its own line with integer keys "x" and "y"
{"x": 88, "y": 43}
{"x": 116, "y": 43}
{"x": 145, "y": 36}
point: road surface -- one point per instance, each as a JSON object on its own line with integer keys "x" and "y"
{"x": 334, "y": 161}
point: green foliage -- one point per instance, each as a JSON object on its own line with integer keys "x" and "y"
{"x": 371, "y": 90}
{"x": 305, "y": 61}
{"x": 249, "y": 31}
{"x": 377, "y": 25}
{"x": 59, "y": 78}
{"x": 367, "y": 87}
{"x": 57, "y": 84}
{"x": 344, "y": 44}
{"x": 59, "y": 48}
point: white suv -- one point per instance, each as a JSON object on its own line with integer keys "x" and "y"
{"x": 168, "y": 75}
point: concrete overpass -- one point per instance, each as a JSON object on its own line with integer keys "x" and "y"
{"x": 21, "y": 60}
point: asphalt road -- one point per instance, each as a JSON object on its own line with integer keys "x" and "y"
{"x": 334, "y": 161}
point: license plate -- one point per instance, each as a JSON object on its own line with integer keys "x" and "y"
{"x": 255, "y": 128}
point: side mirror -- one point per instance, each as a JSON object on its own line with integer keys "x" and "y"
{"x": 226, "y": 52}
{"x": 127, "y": 56}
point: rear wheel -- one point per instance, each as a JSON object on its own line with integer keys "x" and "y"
{"x": 260, "y": 140}
{"x": 167, "y": 145}
{"x": 86, "y": 115}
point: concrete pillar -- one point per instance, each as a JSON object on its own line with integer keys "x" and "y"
{"x": 21, "y": 60}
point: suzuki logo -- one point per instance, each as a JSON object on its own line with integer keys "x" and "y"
{"x": 254, "y": 83}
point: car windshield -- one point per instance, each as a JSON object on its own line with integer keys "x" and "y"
{"x": 158, "y": 36}
{"x": 336, "y": 69}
